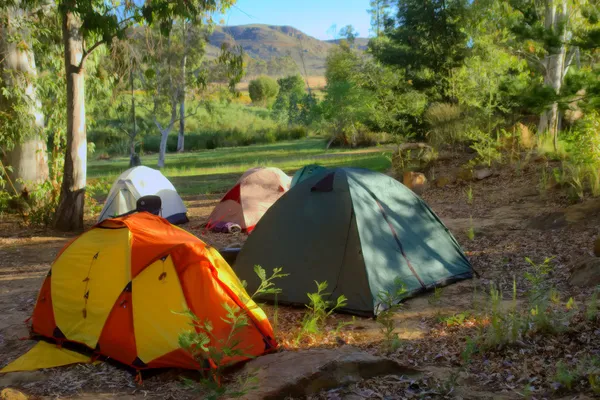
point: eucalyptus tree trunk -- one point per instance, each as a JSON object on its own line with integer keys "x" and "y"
{"x": 164, "y": 133}
{"x": 133, "y": 157}
{"x": 181, "y": 137}
{"x": 555, "y": 20}
{"x": 28, "y": 158}
{"x": 69, "y": 215}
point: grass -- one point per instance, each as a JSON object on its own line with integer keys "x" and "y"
{"x": 214, "y": 171}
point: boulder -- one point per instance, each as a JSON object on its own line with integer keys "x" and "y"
{"x": 482, "y": 173}
{"x": 415, "y": 181}
{"x": 585, "y": 272}
{"x": 302, "y": 373}
{"x": 12, "y": 394}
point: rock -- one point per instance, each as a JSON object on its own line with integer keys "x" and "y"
{"x": 301, "y": 373}
{"x": 415, "y": 181}
{"x": 597, "y": 247}
{"x": 585, "y": 272}
{"x": 12, "y": 394}
{"x": 482, "y": 173}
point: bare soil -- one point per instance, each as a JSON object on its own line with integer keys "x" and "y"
{"x": 511, "y": 219}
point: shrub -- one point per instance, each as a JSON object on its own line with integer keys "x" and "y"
{"x": 446, "y": 122}
{"x": 319, "y": 309}
{"x": 389, "y": 303}
{"x": 263, "y": 90}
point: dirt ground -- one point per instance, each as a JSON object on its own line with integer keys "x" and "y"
{"x": 511, "y": 219}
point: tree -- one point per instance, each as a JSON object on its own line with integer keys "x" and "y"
{"x": 87, "y": 25}
{"x": 379, "y": 14}
{"x": 349, "y": 33}
{"x": 282, "y": 65}
{"x": 290, "y": 100}
{"x": 189, "y": 48}
{"x": 428, "y": 40}
{"x": 21, "y": 120}
{"x": 263, "y": 90}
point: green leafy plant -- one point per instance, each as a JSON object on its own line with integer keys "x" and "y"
{"x": 469, "y": 195}
{"x": 565, "y": 375}
{"x": 437, "y": 296}
{"x": 208, "y": 348}
{"x": 469, "y": 350}
{"x": 319, "y": 309}
{"x": 389, "y": 304}
{"x": 267, "y": 286}
{"x": 217, "y": 351}
{"x": 471, "y": 230}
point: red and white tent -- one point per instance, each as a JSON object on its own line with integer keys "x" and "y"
{"x": 253, "y": 194}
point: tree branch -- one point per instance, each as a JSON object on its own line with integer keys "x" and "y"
{"x": 86, "y": 53}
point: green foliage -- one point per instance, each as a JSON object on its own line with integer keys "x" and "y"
{"x": 388, "y": 305}
{"x": 266, "y": 283}
{"x": 319, "y": 310}
{"x": 469, "y": 195}
{"x": 565, "y": 375}
{"x": 263, "y": 90}
{"x": 292, "y": 104}
{"x": 447, "y": 124}
{"x": 428, "y": 38}
{"x": 205, "y": 346}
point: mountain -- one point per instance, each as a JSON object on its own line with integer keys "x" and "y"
{"x": 266, "y": 42}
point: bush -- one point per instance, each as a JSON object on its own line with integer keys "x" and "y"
{"x": 263, "y": 90}
{"x": 446, "y": 122}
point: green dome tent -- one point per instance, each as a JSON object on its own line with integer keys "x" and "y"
{"x": 358, "y": 230}
{"x": 306, "y": 172}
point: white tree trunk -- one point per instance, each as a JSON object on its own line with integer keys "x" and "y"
{"x": 69, "y": 215}
{"x": 28, "y": 159}
{"x": 162, "y": 150}
{"x": 555, "y": 20}
{"x": 181, "y": 137}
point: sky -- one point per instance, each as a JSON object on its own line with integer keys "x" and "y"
{"x": 313, "y": 17}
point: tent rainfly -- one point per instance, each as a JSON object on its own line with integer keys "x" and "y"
{"x": 358, "y": 230}
{"x": 142, "y": 181}
{"x": 123, "y": 290}
{"x": 246, "y": 203}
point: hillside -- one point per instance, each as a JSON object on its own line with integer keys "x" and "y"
{"x": 265, "y": 42}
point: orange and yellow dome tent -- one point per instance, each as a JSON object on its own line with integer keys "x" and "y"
{"x": 122, "y": 290}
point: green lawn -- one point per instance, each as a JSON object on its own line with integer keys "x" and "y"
{"x": 214, "y": 171}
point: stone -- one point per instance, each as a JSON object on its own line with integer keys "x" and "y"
{"x": 12, "y": 394}
{"x": 482, "y": 173}
{"x": 302, "y": 373}
{"x": 597, "y": 247}
{"x": 415, "y": 181}
{"x": 585, "y": 272}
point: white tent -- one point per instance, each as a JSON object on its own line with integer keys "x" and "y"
{"x": 143, "y": 181}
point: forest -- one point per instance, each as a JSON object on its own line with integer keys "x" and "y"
{"x": 94, "y": 79}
